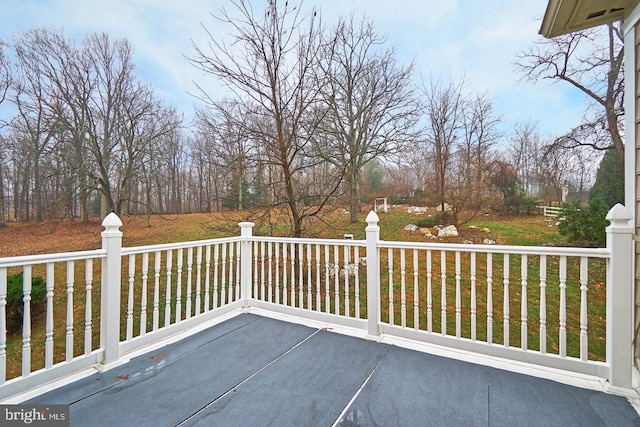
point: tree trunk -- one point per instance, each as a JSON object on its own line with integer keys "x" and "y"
{"x": 3, "y": 218}
{"x": 354, "y": 195}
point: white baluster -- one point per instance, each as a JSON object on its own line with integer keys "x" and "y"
{"x": 143, "y": 295}
{"x": 429, "y": 294}
{"x": 403, "y": 290}
{"x": 270, "y": 263}
{"x": 390, "y": 262}
{"x": 327, "y": 300}
{"x": 223, "y": 275}
{"x": 336, "y": 270}
{"x": 238, "y": 271}
{"x": 88, "y": 281}
{"x": 231, "y": 281}
{"x": 489, "y": 298}
{"x": 584, "y": 280}
{"x": 563, "y": 306}
{"x": 443, "y": 292}
{"x": 300, "y": 276}
{"x": 458, "y": 297}
{"x": 416, "y": 296}
{"x": 277, "y": 254}
{"x": 48, "y": 341}
{"x": 26, "y": 321}
{"x": 543, "y": 304}
{"x": 505, "y": 300}
{"x": 347, "y": 287}
{"x": 69, "y": 335}
{"x": 309, "y": 278}
{"x": 216, "y": 255}
{"x": 167, "y": 292}
{"x": 285, "y": 290}
{"x": 132, "y": 273}
{"x": 207, "y": 278}
{"x": 474, "y": 302}
{"x": 3, "y": 324}
{"x": 356, "y": 261}
{"x": 156, "y": 291}
{"x": 198, "y": 280}
{"x": 179, "y": 261}
{"x": 293, "y": 275}
{"x": 318, "y": 279}
{"x": 256, "y": 257}
{"x": 262, "y": 271}
{"x": 523, "y": 304}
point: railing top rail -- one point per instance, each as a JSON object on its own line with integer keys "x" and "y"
{"x": 55, "y": 257}
{"x": 340, "y": 242}
{"x": 499, "y": 249}
{"x": 177, "y": 245}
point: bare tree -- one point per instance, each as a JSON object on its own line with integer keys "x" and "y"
{"x": 230, "y": 147}
{"x": 444, "y": 115}
{"x": 269, "y": 67}
{"x": 469, "y": 180}
{"x": 5, "y": 77}
{"x": 372, "y": 107}
{"x": 5, "y": 83}
{"x": 37, "y": 120}
{"x": 525, "y": 151}
{"x": 593, "y": 63}
{"x": 67, "y": 88}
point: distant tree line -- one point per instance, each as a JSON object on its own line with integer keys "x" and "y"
{"x": 320, "y": 117}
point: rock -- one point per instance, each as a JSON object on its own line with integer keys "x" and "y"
{"x": 472, "y": 227}
{"x": 448, "y": 231}
{"x": 411, "y": 227}
{"x": 488, "y": 242}
{"x": 344, "y": 212}
{"x": 447, "y": 207}
{"x": 486, "y": 230}
{"x": 467, "y": 242}
{"x": 416, "y": 209}
{"x": 425, "y": 231}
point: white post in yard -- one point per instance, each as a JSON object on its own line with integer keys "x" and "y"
{"x": 245, "y": 262}
{"x": 110, "y": 290}
{"x": 373, "y": 275}
{"x": 620, "y": 297}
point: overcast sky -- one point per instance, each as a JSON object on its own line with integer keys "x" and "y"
{"x": 446, "y": 39}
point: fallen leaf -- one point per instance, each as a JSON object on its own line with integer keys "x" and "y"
{"x": 158, "y": 356}
{"x": 123, "y": 377}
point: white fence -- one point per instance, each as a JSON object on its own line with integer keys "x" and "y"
{"x": 551, "y": 211}
{"x": 531, "y": 304}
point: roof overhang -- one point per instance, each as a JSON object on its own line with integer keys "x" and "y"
{"x": 566, "y": 16}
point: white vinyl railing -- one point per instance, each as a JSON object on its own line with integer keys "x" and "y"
{"x": 552, "y": 211}
{"x": 62, "y": 340}
{"x": 534, "y": 304}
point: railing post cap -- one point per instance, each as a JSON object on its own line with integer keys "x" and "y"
{"x": 111, "y": 222}
{"x": 246, "y": 224}
{"x": 372, "y": 218}
{"x": 619, "y": 215}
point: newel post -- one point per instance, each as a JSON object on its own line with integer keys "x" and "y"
{"x": 373, "y": 275}
{"x": 246, "y": 229}
{"x": 620, "y": 297}
{"x": 110, "y": 289}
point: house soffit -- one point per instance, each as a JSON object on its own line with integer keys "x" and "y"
{"x": 566, "y": 16}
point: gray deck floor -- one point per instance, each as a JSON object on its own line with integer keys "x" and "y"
{"x": 256, "y": 371}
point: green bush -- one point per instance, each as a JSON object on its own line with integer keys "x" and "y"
{"x": 15, "y": 305}
{"x": 427, "y": 222}
{"x": 584, "y": 224}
